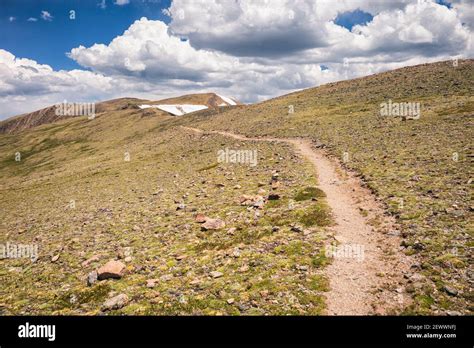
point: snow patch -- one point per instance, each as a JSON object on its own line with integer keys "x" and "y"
{"x": 176, "y": 109}
{"x": 227, "y": 100}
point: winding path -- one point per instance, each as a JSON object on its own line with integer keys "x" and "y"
{"x": 358, "y": 285}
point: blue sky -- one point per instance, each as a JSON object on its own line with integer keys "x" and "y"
{"x": 47, "y": 41}
{"x": 251, "y": 50}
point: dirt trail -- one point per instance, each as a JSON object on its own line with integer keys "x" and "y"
{"x": 359, "y": 285}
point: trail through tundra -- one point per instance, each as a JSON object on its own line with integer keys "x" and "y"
{"x": 373, "y": 283}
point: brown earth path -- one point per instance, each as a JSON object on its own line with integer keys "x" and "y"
{"x": 366, "y": 277}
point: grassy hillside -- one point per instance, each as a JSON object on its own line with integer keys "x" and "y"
{"x": 76, "y": 196}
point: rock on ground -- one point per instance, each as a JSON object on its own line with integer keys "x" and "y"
{"x": 112, "y": 269}
{"x": 115, "y": 302}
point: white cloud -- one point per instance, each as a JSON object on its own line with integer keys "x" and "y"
{"x": 11, "y": 19}
{"x": 46, "y": 16}
{"x": 32, "y": 19}
{"x": 121, "y": 2}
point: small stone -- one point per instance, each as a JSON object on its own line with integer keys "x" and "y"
{"x": 231, "y": 230}
{"x": 91, "y": 278}
{"x": 150, "y": 283}
{"x": 181, "y": 257}
{"x": 275, "y": 185}
{"x": 296, "y": 228}
{"x": 244, "y": 268}
{"x": 166, "y": 277}
{"x": 200, "y": 218}
{"x": 55, "y": 258}
{"x": 237, "y": 187}
{"x": 112, "y": 269}
{"x": 115, "y": 302}
{"x": 181, "y": 206}
{"x": 453, "y": 313}
{"x": 416, "y": 277}
{"x": 216, "y": 274}
{"x": 90, "y": 260}
{"x": 418, "y": 245}
{"x": 128, "y": 259}
{"x": 230, "y": 301}
{"x": 213, "y": 224}
{"x": 273, "y": 196}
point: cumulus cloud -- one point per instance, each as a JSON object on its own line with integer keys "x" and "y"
{"x": 32, "y": 19}
{"x": 264, "y": 28}
{"x": 121, "y": 2}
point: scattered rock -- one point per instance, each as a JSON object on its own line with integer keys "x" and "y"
{"x": 418, "y": 245}
{"x": 112, "y": 269}
{"x": 273, "y": 196}
{"x": 55, "y": 258}
{"x": 181, "y": 257}
{"x": 181, "y": 206}
{"x": 296, "y": 228}
{"x": 244, "y": 268}
{"x": 230, "y": 301}
{"x": 200, "y": 218}
{"x": 150, "y": 283}
{"x": 166, "y": 277}
{"x": 115, "y": 302}
{"x": 256, "y": 201}
{"x": 450, "y": 290}
{"x": 275, "y": 184}
{"x": 90, "y": 260}
{"x": 213, "y": 224}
